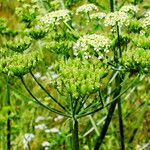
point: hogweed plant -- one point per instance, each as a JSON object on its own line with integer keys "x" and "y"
{"x": 94, "y": 55}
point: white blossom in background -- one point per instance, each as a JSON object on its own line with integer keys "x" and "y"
{"x": 86, "y": 8}
{"x": 89, "y": 45}
{"x": 99, "y": 15}
{"x": 37, "y": 74}
{"x": 129, "y": 8}
{"x": 45, "y": 144}
{"x": 41, "y": 126}
{"x": 52, "y": 130}
{"x": 55, "y": 17}
{"x": 43, "y": 78}
{"x": 119, "y": 17}
{"x": 145, "y": 22}
{"x": 147, "y": 14}
{"x": 39, "y": 118}
{"x": 58, "y": 118}
{"x": 26, "y": 139}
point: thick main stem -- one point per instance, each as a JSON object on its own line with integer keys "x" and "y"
{"x": 75, "y": 137}
{"x": 112, "y": 5}
{"x": 121, "y": 125}
{"x": 109, "y": 116}
{"x": 8, "y": 120}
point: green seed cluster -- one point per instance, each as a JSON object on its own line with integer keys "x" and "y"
{"x": 137, "y": 60}
{"x": 142, "y": 42}
{"x": 28, "y": 12}
{"x": 18, "y": 64}
{"x": 19, "y": 44}
{"x": 78, "y": 78}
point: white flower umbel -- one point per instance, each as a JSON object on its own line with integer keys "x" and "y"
{"x": 91, "y": 45}
{"x": 58, "y": 118}
{"x": 52, "y": 130}
{"x": 41, "y": 126}
{"x": 27, "y": 138}
{"x": 45, "y": 144}
{"x": 119, "y": 17}
{"x": 147, "y": 14}
{"x": 39, "y": 118}
{"x": 99, "y": 15}
{"x": 55, "y": 17}
{"x": 86, "y": 8}
{"x": 129, "y": 9}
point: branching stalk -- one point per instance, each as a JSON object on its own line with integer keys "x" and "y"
{"x": 42, "y": 87}
{"x": 39, "y": 102}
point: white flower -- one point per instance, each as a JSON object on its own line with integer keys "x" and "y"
{"x": 45, "y": 144}
{"x": 52, "y": 130}
{"x": 58, "y": 118}
{"x": 147, "y": 14}
{"x": 99, "y": 15}
{"x": 37, "y": 75}
{"x": 43, "y": 78}
{"x": 39, "y": 118}
{"x": 86, "y": 8}
{"x": 145, "y": 22}
{"x": 119, "y": 17}
{"x": 55, "y": 17}
{"x": 27, "y": 138}
{"x": 90, "y": 45}
{"x": 41, "y": 126}
{"x": 129, "y": 8}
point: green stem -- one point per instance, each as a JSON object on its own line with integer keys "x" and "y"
{"x": 112, "y": 5}
{"x": 109, "y": 116}
{"x": 8, "y": 120}
{"x": 94, "y": 125}
{"x": 75, "y": 137}
{"x": 121, "y": 125}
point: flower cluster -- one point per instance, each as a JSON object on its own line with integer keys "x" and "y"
{"x": 145, "y": 22}
{"x": 118, "y": 17}
{"x": 19, "y": 44}
{"x": 86, "y": 8}
{"x": 136, "y": 60}
{"x": 99, "y": 15}
{"x": 26, "y": 139}
{"x": 55, "y": 17}
{"x": 91, "y": 45}
{"x": 129, "y": 9}
{"x": 147, "y": 14}
{"x": 78, "y": 78}
{"x": 19, "y": 64}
